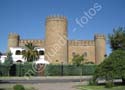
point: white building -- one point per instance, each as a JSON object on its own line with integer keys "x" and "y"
{"x": 18, "y": 57}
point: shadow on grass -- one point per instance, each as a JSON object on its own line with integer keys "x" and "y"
{"x": 2, "y": 89}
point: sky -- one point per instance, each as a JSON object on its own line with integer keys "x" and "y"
{"x": 85, "y": 18}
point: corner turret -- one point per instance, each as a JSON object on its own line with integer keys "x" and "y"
{"x": 100, "y": 48}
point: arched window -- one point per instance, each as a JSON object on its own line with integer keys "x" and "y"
{"x": 41, "y": 52}
{"x": 73, "y": 53}
{"x": 57, "y": 60}
{"x": 85, "y": 54}
{"x": 18, "y": 52}
{"x": 19, "y": 61}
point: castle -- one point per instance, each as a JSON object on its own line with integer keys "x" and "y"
{"x": 58, "y": 49}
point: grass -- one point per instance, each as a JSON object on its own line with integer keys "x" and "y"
{"x": 101, "y": 88}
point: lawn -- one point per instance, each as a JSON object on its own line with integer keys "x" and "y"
{"x": 101, "y": 88}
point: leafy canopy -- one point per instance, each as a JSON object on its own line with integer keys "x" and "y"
{"x": 78, "y": 59}
{"x": 9, "y": 59}
{"x": 112, "y": 67}
{"x": 117, "y": 39}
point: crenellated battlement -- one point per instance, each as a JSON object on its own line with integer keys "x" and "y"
{"x": 56, "y": 17}
{"x": 81, "y": 42}
{"x": 13, "y": 35}
{"x": 101, "y": 36}
{"x": 32, "y": 41}
{"x": 39, "y": 43}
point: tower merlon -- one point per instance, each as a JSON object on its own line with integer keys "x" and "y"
{"x": 99, "y": 36}
{"x": 13, "y": 35}
{"x": 56, "y": 17}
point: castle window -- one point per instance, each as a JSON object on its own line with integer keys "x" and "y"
{"x": 41, "y": 52}
{"x": 57, "y": 60}
{"x": 73, "y": 53}
{"x": 18, "y": 52}
{"x": 85, "y": 54}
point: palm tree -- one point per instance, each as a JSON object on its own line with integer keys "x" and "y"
{"x": 31, "y": 54}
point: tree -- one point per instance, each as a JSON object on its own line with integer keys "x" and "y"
{"x": 8, "y": 61}
{"x": 31, "y": 54}
{"x": 0, "y": 57}
{"x": 112, "y": 67}
{"x": 78, "y": 59}
{"x": 117, "y": 39}
{"x": 0, "y": 53}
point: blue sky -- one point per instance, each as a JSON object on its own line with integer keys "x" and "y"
{"x": 27, "y": 18}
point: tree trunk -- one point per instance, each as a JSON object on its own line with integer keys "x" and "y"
{"x": 123, "y": 81}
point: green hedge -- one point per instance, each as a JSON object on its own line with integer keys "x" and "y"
{"x": 4, "y": 70}
{"x": 52, "y": 70}
{"x": 88, "y": 69}
{"x": 69, "y": 70}
{"x": 25, "y": 69}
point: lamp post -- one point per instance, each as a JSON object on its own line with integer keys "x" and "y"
{"x": 61, "y": 68}
{"x": 105, "y": 55}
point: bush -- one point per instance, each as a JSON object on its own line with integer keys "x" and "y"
{"x": 18, "y": 87}
{"x": 92, "y": 82}
{"x": 88, "y": 69}
{"x": 109, "y": 84}
{"x": 17, "y": 69}
{"x": 22, "y": 69}
{"x": 112, "y": 67}
{"x": 4, "y": 70}
{"x": 69, "y": 70}
{"x": 52, "y": 70}
{"x": 72, "y": 70}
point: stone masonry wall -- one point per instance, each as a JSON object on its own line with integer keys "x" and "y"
{"x": 81, "y": 47}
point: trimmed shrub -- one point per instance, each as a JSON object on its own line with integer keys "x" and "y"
{"x": 69, "y": 70}
{"x": 18, "y": 87}
{"x": 92, "y": 82}
{"x": 88, "y": 69}
{"x": 109, "y": 84}
{"x": 72, "y": 70}
{"x": 52, "y": 70}
{"x": 4, "y": 70}
{"x": 22, "y": 69}
{"x": 27, "y": 69}
{"x": 18, "y": 70}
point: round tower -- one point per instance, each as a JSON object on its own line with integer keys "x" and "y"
{"x": 13, "y": 40}
{"x": 100, "y": 48}
{"x": 56, "y": 39}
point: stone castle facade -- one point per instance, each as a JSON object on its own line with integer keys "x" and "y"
{"x": 58, "y": 49}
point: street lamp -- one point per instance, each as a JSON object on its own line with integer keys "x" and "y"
{"x": 61, "y": 68}
{"x": 105, "y": 55}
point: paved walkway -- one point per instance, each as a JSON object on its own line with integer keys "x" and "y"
{"x": 56, "y": 86}
{"x": 49, "y": 86}
{"x": 46, "y": 83}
